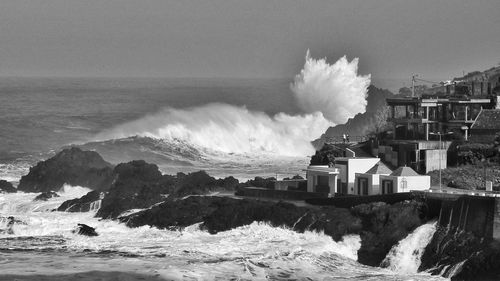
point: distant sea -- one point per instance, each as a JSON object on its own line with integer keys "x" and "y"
{"x": 42, "y": 115}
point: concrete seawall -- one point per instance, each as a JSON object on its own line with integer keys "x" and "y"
{"x": 479, "y": 215}
{"x": 278, "y": 194}
{"x": 476, "y": 214}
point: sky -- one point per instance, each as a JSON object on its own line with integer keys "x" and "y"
{"x": 249, "y": 39}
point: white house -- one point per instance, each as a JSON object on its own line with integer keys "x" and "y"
{"x": 322, "y": 178}
{"x": 368, "y": 183}
{"x": 403, "y": 179}
{"x": 348, "y": 167}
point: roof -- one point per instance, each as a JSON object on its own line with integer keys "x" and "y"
{"x": 488, "y": 119}
{"x": 404, "y": 172}
{"x": 379, "y": 168}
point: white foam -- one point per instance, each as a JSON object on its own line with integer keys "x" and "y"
{"x": 405, "y": 257}
{"x": 335, "y": 91}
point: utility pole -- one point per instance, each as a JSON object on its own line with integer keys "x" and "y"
{"x": 413, "y": 76}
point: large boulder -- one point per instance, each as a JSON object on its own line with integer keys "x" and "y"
{"x": 7, "y": 187}
{"x": 137, "y": 185}
{"x": 72, "y": 166}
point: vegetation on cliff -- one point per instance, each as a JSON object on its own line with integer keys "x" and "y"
{"x": 471, "y": 177}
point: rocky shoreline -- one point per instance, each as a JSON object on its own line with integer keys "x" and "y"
{"x": 173, "y": 202}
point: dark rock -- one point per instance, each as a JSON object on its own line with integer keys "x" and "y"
{"x": 7, "y": 187}
{"x": 380, "y": 225}
{"x": 384, "y": 226}
{"x": 72, "y": 166}
{"x": 223, "y": 213}
{"x": 199, "y": 183}
{"x": 137, "y": 185}
{"x": 86, "y": 230}
{"x": 44, "y": 196}
{"x": 461, "y": 255}
{"x": 82, "y": 204}
{"x": 173, "y": 213}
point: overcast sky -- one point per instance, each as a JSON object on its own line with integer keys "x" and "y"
{"x": 253, "y": 38}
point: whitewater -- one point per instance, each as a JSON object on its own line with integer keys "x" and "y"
{"x": 241, "y": 128}
{"x": 43, "y": 239}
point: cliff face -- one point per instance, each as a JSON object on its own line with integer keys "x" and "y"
{"x": 463, "y": 246}
{"x": 385, "y": 225}
{"x": 461, "y": 255}
{"x": 360, "y": 124}
{"x": 72, "y": 166}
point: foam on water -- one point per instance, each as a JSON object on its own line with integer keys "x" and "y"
{"x": 255, "y": 251}
{"x": 405, "y": 257}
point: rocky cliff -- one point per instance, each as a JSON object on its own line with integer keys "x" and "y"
{"x": 72, "y": 166}
{"x": 379, "y": 225}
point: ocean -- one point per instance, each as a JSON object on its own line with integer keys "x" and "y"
{"x": 42, "y": 115}
{"x": 237, "y": 127}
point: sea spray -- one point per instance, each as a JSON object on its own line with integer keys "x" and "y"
{"x": 405, "y": 257}
{"x": 228, "y": 129}
{"x": 327, "y": 94}
{"x": 336, "y": 89}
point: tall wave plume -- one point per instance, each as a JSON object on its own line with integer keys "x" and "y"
{"x": 327, "y": 94}
{"x": 336, "y": 90}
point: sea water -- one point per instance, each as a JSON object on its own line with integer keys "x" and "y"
{"x": 43, "y": 243}
{"x": 42, "y": 115}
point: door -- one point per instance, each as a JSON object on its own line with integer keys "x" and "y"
{"x": 362, "y": 186}
{"x": 387, "y": 187}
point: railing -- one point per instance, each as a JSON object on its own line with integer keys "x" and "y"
{"x": 351, "y": 139}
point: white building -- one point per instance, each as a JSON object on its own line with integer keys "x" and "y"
{"x": 348, "y": 167}
{"x": 369, "y": 183}
{"x": 322, "y": 178}
{"x": 403, "y": 179}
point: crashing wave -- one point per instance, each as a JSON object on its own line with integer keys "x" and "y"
{"x": 327, "y": 94}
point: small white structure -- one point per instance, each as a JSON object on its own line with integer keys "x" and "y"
{"x": 369, "y": 183}
{"x": 348, "y": 167}
{"x": 322, "y": 178}
{"x": 403, "y": 179}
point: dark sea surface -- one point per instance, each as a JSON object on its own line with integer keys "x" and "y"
{"x": 41, "y": 115}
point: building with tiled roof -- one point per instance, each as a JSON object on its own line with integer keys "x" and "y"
{"x": 486, "y": 126}
{"x": 403, "y": 179}
{"x": 367, "y": 183}
{"x": 404, "y": 172}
